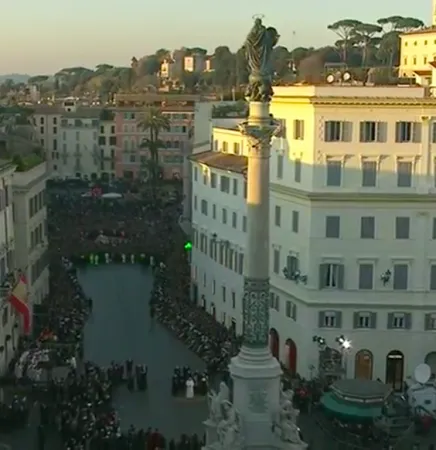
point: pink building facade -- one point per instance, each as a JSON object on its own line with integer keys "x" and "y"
{"x": 131, "y": 159}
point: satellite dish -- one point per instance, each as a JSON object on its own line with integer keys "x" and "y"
{"x": 330, "y": 79}
{"x": 422, "y": 373}
{"x": 346, "y": 76}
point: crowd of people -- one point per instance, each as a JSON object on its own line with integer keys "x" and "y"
{"x": 78, "y": 408}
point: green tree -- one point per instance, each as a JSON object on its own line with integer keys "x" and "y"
{"x": 365, "y": 36}
{"x": 345, "y": 29}
{"x": 154, "y": 122}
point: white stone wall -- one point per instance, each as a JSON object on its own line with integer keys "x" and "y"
{"x": 83, "y": 140}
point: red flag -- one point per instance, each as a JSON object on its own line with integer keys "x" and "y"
{"x": 18, "y": 301}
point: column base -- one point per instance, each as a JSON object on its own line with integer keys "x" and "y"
{"x": 256, "y": 378}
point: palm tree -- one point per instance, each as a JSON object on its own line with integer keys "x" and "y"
{"x": 153, "y": 121}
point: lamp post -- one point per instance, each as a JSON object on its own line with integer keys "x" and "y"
{"x": 344, "y": 346}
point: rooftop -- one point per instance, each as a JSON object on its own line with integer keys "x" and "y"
{"x": 222, "y": 161}
{"x": 427, "y": 30}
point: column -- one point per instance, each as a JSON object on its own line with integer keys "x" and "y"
{"x": 255, "y": 372}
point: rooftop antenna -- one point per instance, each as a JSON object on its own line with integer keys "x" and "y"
{"x": 422, "y": 373}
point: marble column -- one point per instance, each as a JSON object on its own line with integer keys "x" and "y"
{"x": 255, "y": 372}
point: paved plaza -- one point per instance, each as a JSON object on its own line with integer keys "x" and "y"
{"x": 118, "y": 329}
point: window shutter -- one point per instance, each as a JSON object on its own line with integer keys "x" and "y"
{"x": 408, "y": 321}
{"x": 433, "y": 277}
{"x": 321, "y": 315}
{"x": 326, "y": 132}
{"x": 347, "y": 131}
{"x": 362, "y": 132}
{"x": 355, "y": 320}
{"x": 416, "y": 132}
{"x": 341, "y": 270}
{"x": 373, "y": 320}
{"x": 294, "y": 311}
{"x": 322, "y": 275}
{"x": 398, "y": 132}
{"x": 338, "y": 319}
{"x": 427, "y": 319}
{"x": 381, "y": 132}
{"x": 390, "y": 324}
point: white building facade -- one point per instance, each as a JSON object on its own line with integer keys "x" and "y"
{"x": 30, "y": 223}
{"x": 72, "y": 138}
{"x": 353, "y": 228}
{"x": 9, "y": 332}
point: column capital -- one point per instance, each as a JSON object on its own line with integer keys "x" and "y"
{"x": 259, "y": 136}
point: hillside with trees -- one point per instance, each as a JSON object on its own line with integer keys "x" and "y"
{"x": 358, "y": 46}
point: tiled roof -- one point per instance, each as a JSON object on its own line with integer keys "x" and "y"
{"x": 427, "y": 30}
{"x": 222, "y": 161}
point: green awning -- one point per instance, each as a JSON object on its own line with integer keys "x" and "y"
{"x": 351, "y": 411}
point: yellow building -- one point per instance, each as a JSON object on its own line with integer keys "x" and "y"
{"x": 417, "y": 50}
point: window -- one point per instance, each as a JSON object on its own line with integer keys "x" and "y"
{"x": 213, "y": 287}
{"x": 407, "y": 132}
{"x": 225, "y": 184}
{"x": 215, "y": 145}
{"x": 364, "y": 320}
{"x": 398, "y": 320}
{"x": 297, "y": 170}
{"x": 213, "y": 211}
{"x": 369, "y": 173}
{"x": 233, "y": 299}
{"x": 366, "y": 276}
{"x": 280, "y": 159}
{"x": 224, "y": 294}
{"x": 367, "y": 227}
{"x": 373, "y": 131}
{"x": 204, "y": 177}
{"x": 295, "y": 221}
{"x": 244, "y": 224}
{"x": 195, "y": 173}
{"x": 334, "y": 173}
{"x": 274, "y": 301}
{"x": 277, "y": 216}
{"x": 401, "y": 275}
{"x": 402, "y": 227}
{"x": 291, "y": 310}
{"x": 433, "y": 277}
{"x": 224, "y": 215}
{"x": 195, "y": 202}
{"x": 225, "y": 147}
{"x": 430, "y": 321}
{"x": 404, "y": 174}
{"x": 331, "y": 275}
{"x": 234, "y": 219}
{"x": 299, "y": 130}
{"x": 336, "y": 131}
{"x": 203, "y": 207}
{"x": 213, "y": 180}
{"x": 332, "y": 227}
{"x": 292, "y": 265}
{"x": 276, "y": 261}
{"x": 245, "y": 189}
{"x": 330, "y": 319}
{"x": 235, "y": 186}
{"x": 236, "y": 148}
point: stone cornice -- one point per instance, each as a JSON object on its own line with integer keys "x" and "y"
{"x": 353, "y": 197}
{"x": 417, "y": 102}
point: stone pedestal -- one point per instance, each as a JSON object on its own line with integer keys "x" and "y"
{"x": 256, "y": 394}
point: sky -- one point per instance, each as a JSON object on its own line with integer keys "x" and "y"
{"x": 44, "y": 37}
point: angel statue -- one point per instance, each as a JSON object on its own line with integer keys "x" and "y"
{"x": 258, "y": 47}
{"x": 229, "y": 432}
{"x": 216, "y": 402}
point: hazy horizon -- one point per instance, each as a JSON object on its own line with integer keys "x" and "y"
{"x": 57, "y": 35}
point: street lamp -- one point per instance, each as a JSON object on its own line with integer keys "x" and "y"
{"x": 344, "y": 345}
{"x": 343, "y": 342}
